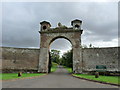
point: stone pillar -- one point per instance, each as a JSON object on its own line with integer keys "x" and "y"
{"x": 43, "y": 60}
{"x": 44, "y": 55}
{"x": 77, "y": 56}
{"x": 77, "y": 60}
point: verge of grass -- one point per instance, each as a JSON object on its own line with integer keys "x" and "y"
{"x": 106, "y": 79}
{"x": 69, "y": 69}
{"x": 54, "y": 67}
{"x": 8, "y": 76}
{"x": 0, "y": 76}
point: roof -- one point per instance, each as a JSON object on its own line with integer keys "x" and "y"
{"x": 45, "y": 22}
{"x": 76, "y": 20}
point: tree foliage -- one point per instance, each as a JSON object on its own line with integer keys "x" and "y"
{"x": 55, "y": 55}
{"x": 66, "y": 59}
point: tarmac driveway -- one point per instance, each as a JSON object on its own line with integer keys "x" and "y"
{"x": 59, "y": 79}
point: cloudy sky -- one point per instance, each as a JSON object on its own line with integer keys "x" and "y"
{"x": 20, "y": 22}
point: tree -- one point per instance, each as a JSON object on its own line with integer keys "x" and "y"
{"x": 66, "y": 59}
{"x": 54, "y": 56}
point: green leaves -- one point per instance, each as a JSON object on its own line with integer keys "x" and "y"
{"x": 55, "y": 56}
{"x": 67, "y": 59}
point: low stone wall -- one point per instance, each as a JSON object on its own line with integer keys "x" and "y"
{"x": 16, "y": 59}
{"x": 100, "y": 56}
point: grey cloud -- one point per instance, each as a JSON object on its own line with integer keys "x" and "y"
{"x": 21, "y": 21}
{"x": 61, "y": 44}
{"x": 119, "y": 21}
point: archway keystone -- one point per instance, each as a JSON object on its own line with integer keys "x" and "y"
{"x": 48, "y": 35}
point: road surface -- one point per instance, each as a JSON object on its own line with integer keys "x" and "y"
{"x": 58, "y": 79}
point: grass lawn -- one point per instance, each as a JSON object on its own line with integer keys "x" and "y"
{"x": 69, "y": 69}
{"x": 54, "y": 67}
{"x": 8, "y": 76}
{"x": 108, "y": 79}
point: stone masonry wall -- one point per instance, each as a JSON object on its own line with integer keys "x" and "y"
{"x": 19, "y": 59}
{"x": 28, "y": 59}
{"x": 100, "y": 56}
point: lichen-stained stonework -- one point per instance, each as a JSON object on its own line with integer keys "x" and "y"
{"x": 19, "y": 59}
{"x": 26, "y": 59}
{"x": 48, "y": 35}
{"x": 100, "y": 56}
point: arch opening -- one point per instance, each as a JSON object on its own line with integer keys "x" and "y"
{"x": 44, "y": 27}
{"x": 58, "y": 37}
{"x": 60, "y": 53}
{"x": 77, "y": 26}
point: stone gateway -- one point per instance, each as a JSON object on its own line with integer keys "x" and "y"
{"x": 48, "y": 35}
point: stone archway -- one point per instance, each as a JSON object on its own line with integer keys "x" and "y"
{"x": 52, "y": 41}
{"x": 73, "y": 34}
